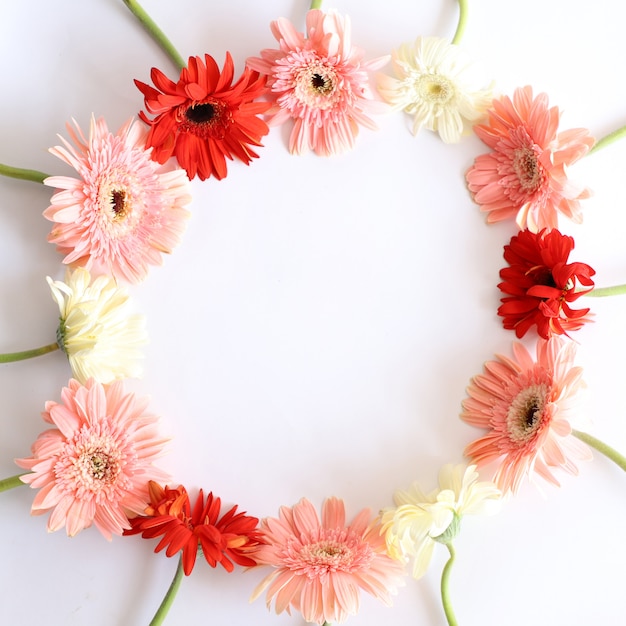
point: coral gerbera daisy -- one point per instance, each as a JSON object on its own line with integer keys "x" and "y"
{"x": 525, "y": 175}
{"x": 434, "y": 82}
{"x": 96, "y": 332}
{"x": 124, "y": 211}
{"x": 527, "y": 407}
{"x": 321, "y": 567}
{"x": 320, "y": 81}
{"x": 231, "y": 537}
{"x": 421, "y": 520}
{"x": 93, "y": 467}
{"x": 204, "y": 118}
{"x": 540, "y": 284}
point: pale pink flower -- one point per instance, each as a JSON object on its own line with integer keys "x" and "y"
{"x": 124, "y": 211}
{"x": 320, "y": 81}
{"x": 94, "y": 465}
{"x": 322, "y": 566}
{"x": 528, "y": 408}
{"x": 525, "y": 177}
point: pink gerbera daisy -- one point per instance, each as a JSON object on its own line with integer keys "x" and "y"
{"x": 320, "y": 81}
{"x": 527, "y": 407}
{"x": 525, "y": 176}
{"x": 95, "y": 464}
{"x": 321, "y": 567}
{"x": 124, "y": 211}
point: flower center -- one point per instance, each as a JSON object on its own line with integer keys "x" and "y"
{"x": 434, "y": 89}
{"x": 524, "y": 417}
{"x": 541, "y": 275}
{"x": 316, "y": 85}
{"x": 118, "y": 204}
{"x": 207, "y": 120}
{"x": 527, "y": 168}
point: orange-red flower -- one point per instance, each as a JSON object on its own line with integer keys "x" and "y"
{"x": 540, "y": 284}
{"x": 227, "y": 539}
{"x": 204, "y": 118}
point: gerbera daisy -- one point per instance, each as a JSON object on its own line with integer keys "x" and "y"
{"x": 321, "y": 567}
{"x": 96, "y": 332}
{"x": 525, "y": 176}
{"x": 320, "y": 81}
{"x": 540, "y": 283}
{"x": 230, "y": 538}
{"x": 434, "y": 82}
{"x": 204, "y": 118}
{"x": 94, "y": 465}
{"x": 527, "y": 407}
{"x": 420, "y": 520}
{"x": 124, "y": 211}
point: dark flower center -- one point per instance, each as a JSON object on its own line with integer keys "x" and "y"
{"x": 524, "y": 417}
{"x": 541, "y": 275}
{"x": 118, "y": 204}
{"x": 201, "y": 113}
{"x": 321, "y": 84}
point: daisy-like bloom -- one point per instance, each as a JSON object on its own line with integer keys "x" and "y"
{"x": 233, "y": 537}
{"x": 540, "y": 284}
{"x": 320, "y": 567}
{"x": 320, "y": 81}
{"x": 204, "y": 118}
{"x": 421, "y": 520}
{"x": 96, "y": 331}
{"x": 527, "y": 407}
{"x": 124, "y": 211}
{"x": 94, "y": 464}
{"x": 434, "y": 81}
{"x": 525, "y": 175}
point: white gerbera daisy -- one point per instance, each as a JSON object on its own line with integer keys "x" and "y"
{"x": 435, "y": 83}
{"x": 96, "y": 332}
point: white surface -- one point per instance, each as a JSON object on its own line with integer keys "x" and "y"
{"x": 314, "y": 333}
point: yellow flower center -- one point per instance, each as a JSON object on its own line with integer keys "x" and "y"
{"x": 434, "y": 89}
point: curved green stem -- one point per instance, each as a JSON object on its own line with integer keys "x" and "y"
{"x": 11, "y": 357}
{"x": 601, "y": 292}
{"x": 156, "y": 33}
{"x": 608, "y": 140}
{"x": 460, "y": 29}
{"x": 445, "y": 593}
{"x": 317, "y": 4}
{"x": 602, "y": 448}
{"x": 165, "y": 606}
{"x": 34, "y": 176}
{"x": 11, "y": 483}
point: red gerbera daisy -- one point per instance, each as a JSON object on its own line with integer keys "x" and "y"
{"x": 233, "y": 537}
{"x": 540, "y": 284}
{"x": 204, "y": 118}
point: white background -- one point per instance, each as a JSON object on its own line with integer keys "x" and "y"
{"x": 314, "y": 333}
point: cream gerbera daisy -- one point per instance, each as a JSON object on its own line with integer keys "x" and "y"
{"x": 435, "y": 83}
{"x": 96, "y": 332}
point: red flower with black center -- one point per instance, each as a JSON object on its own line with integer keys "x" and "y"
{"x": 227, "y": 539}
{"x": 204, "y": 118}
{"x": 540, "y": 284}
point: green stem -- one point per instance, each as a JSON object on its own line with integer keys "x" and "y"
{"x": 445, "y": 594}
{"x": 11, "y": 357}
{"x": 317, "y": 4}
{"x": 600, "y": 292}
{"x": 163, "y": 610}
{"x": 460, "y": 29}
{"x": 602, "y": 448}
{"x": 155, "y": 32}
{"x": 608, "y": 140}
{"x": 17, "y": 172}
{"x": 11, "y": 483}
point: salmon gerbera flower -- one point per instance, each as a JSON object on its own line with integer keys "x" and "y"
{"x": 527, "y": 408}
{"x": 124, "y": 211}
{"x": 540, "y": 284}
{"x": 230, "y": 538}
{"x": 204, "y": 118}
{"x": 525, "y": 175}
{"x": 320, "y": 81}
{"x": 321, "y": 567}
{"x": 94, "y": 465}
